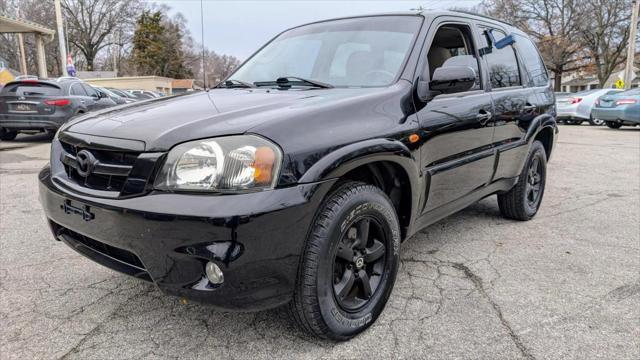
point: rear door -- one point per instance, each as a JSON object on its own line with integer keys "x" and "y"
{"x": 27, "y": 97}
{"x": 515, "y": 103}
{"x": 456, "y": 156}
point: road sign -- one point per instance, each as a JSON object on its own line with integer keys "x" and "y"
{"x": 619, "y": 84}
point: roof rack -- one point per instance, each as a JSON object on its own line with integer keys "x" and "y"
{"x": 62, "y": 78}
{"x": 482, "y": 16}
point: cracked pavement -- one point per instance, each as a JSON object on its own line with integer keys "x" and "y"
{"x": 474, "y": 285}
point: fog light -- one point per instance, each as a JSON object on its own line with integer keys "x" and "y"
{"x": 214, "y": 274}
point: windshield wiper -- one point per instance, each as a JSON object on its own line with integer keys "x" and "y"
{"x": 233, "y": 83}
{"x": 285, "y": 82}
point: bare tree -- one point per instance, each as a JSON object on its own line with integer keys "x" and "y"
{"x": 556, "y": 26}
{"x": 606, "y": 33}
{"x": 92, "y": 23}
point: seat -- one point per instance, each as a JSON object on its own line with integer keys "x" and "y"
{"x": 437, "y": 56}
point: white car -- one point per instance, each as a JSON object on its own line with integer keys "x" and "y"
{"x": 576, "y": 108}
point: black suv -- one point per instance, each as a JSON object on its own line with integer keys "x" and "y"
{"x": 295, "y": 181}
{"x": 37, "y": 105}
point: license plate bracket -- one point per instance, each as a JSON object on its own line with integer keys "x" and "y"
{"x": 84, "y": 210}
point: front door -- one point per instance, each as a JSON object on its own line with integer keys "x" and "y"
{"x": 457, "y": 156}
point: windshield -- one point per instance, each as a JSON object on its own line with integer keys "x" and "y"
{"x": 368, "y": 51}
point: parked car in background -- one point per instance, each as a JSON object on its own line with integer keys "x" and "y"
{"x": 294, "y": 181}
{"x": 33, "y": 105}
{"x": 616, "y": 110}
{"x": 118, "y": 99}
{"x": 123, "y": 93}
{"x": 144, "y": 94}
{"x": 576, "y": 108}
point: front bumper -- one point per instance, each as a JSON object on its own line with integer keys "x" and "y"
{"x": 256, "y": 239}
{"x": 622, "y": 114}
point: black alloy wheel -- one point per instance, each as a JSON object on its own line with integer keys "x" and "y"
{"x": 534, "y": 182}
{"x": 359, "y": 263}
{"x": 523, "y": 200}
{"x": 349, "y": 264}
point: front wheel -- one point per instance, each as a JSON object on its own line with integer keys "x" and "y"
{"x": 7, "y": 135}
{"x": 349, "y": 265}
{"x": 614, "y": 125}
{"x": 523, "y": 200}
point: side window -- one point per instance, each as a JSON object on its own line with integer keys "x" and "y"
{"x": 89, "y": 90}
{"x": 76, "y": 89}
{"x": 452, "y": 45}
{"x": 503, "y": 65}
{"x": 532, "y": 61}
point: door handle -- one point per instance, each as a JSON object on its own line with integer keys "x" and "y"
{"x": 484, "y": 116}
{"x": 529, "y": 107}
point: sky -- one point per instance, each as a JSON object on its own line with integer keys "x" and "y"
{"x": 240, "y": 27}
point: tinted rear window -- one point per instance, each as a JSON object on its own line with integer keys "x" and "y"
{"x": 31, "y": 89}
{"x": 532, "y": 61}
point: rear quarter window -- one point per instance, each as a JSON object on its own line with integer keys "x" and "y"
{"x": 24, "y": 89}
{"x": 532, "y": 61}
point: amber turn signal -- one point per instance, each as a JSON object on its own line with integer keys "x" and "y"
{"x": 263, "y": 165}
{"x": 413, "y": 138}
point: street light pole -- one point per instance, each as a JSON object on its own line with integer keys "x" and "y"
{"x": 63, "y": 49}
{"x": 631, "y": 48}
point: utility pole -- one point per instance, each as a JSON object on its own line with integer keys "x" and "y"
{"x": 631, "y": 48}
{"x": 61, "y": 43}
{"x": 23, "y": 57}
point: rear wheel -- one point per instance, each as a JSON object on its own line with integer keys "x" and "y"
{"x": 595, "y": 122}
{"x": 523, "y": 200}
{"x": 350, "y": 263}
{"x": 614, "y": 125}
{"x": 7, "y": 135}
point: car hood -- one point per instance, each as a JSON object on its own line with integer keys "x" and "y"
{"x": 164, "y": 122}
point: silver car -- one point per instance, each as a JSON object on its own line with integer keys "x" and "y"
{"x": 575, "y": 108}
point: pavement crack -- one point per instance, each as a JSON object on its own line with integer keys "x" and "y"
{"x": 477, "y": 281}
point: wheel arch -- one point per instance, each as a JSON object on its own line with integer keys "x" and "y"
{"x": 386, "y": 164}
{"x": 543, "y": 128}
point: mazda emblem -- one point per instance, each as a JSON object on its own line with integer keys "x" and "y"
{"x": 86, "y": 161}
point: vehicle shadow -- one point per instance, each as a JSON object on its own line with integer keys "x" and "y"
{"x": 198, "y": 327}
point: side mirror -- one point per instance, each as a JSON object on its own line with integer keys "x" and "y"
{"x": 452, "y": 79}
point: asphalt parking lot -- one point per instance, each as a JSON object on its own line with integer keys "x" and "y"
{"x": 564, "y": 285}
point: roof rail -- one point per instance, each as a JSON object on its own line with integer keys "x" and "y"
{"x": 62, "y": 78}
{"x": 482, "y": 16}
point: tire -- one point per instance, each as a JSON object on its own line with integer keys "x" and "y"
{"x": 595, "y": 122}
{"x": 523, "y": 200}
{"x": 613, "y": 125}
{"x": 329, "y": 299}
{"x": 7, "y": 135}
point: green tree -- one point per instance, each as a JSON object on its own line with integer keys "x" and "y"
{"x": 158, "y": 47}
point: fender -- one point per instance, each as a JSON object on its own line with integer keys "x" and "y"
{"x": 347, "y": 158}
{"x": 535, "y": 127}
{"x": 539, "y": 123}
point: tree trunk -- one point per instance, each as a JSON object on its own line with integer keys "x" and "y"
{"x": 557, "y": 80}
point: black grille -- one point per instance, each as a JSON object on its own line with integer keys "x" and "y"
{"x": 95, "y": 181}
{"x": 111, "y": 256}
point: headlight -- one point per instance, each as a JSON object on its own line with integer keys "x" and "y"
{"x": 231, "y": 163}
